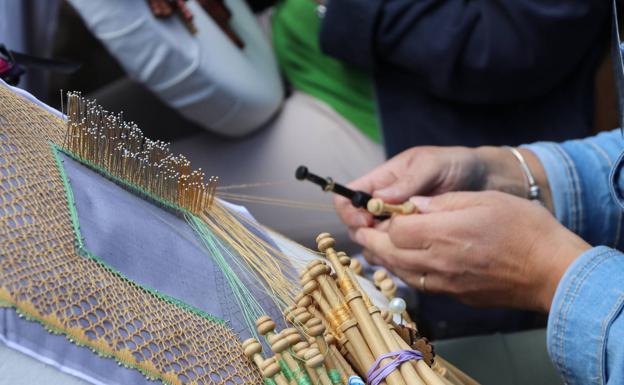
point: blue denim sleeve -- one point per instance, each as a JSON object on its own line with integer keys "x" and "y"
{"x": 585, "y": 325}
{"x": 578, "y": 174}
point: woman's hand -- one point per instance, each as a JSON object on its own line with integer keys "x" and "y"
{"x": 487, "y": 248}
{"x": 436, "y": 170}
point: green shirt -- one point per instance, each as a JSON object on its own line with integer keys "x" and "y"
{"x": 347, "y": 90}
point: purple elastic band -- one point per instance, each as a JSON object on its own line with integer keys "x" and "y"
{"x": 377, "y": 374}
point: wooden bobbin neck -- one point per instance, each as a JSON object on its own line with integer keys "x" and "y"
{"x": 376, "y": 206}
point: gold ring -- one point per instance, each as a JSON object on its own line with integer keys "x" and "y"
{"x": 422, "y": 282}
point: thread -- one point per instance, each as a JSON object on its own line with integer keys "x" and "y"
{"x": 334, "y": 376}
{"x": 286, "y": 370}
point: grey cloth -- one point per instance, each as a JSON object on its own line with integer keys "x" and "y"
{"x": 502, "y": 359}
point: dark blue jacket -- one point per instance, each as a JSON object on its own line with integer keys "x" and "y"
{"x": 474, "y": 72}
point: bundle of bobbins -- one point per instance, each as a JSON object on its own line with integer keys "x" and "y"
{"x": 339, "y": 337}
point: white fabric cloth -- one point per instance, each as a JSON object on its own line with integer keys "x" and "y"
{"x": 204, "y": 76}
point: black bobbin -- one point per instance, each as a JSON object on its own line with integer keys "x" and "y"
{"x": 358, "y": 198}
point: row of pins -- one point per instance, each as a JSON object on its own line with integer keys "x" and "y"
{"x": 338, "y": 334}
{"x": 121, "y": 149}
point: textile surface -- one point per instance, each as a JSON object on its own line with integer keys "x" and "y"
{"x": 45, "y": 277}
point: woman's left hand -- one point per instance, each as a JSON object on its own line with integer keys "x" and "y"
{"x": 486, "y": 248}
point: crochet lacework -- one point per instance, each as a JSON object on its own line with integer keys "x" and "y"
{"x": 45, "y": 276}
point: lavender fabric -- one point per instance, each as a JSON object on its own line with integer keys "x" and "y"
{"x": 152, "y": 247}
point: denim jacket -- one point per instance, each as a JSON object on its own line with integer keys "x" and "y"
{"x": 586, "y": 324}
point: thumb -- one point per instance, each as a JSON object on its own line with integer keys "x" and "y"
{"x": 398, "y": 191}
{"x": 447, "y": 202}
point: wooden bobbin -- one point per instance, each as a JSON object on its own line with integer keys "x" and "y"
{"x": 374, "y": 329}
{"x": 339, "y": 358}
{"x": 376, "y": 206}
{"x": 315, "y": 328}
{"x": 304, "y": 301}
{"x": 252, "y": 350}
{"x": 379, "y": 275}
{"x": 266, "y": 328}
{"x": 311, "y": 288}
{"x": 299, "y": 349}
{"x": 388, "y": 288}
{"x": 347, "y": 325}
{"x": 271, "y": 369}
{"x": 265, "y": 325}
{"x": 314, "y": 360}
{"x": 280, "y": 344}
{"x": 300, "y": 316}
{"x": 356, "y": 266}
{"x": 386, "y": 330}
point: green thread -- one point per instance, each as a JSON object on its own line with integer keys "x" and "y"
{"x": 269, "y": 381}
{"x": 334, "y": 376}
{"x": 285, "y": 369}
{"x": 304, "y": 379}
{"x": 220, "y": 253}
{"x": 82, "y": 250}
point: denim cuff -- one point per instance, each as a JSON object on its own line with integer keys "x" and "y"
{"x": 564, "y": 182}
{"x": 587, "y": 301}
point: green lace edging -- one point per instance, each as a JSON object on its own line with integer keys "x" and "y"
{"x": 82, "y": 250}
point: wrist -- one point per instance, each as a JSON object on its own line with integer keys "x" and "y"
{"x": 502, "y": 172}
{"x": 561, "y": 257}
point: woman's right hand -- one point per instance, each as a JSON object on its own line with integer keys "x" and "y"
{"x": 428, "y": 170}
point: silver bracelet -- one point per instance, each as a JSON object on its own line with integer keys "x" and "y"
{"x": 534, "y": 189}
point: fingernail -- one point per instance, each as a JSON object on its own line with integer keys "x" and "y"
{"x": 420, "y": 202}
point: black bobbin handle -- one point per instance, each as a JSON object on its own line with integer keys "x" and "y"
{"x": 358, "y": 198}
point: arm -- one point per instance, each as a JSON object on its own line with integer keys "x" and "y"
{"x": 577, "y": 174}
{"x": 573, "y": 176}
{"x": 585, "y": 324}
{"x": 453, "y": 47}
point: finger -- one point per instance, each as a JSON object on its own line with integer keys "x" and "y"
{"x": 399, "y": 190}
{"x": 370, "y": 257}
{"x": 431, "y": 283}
{"x": 420, "y": 231}
{"x": 421, "y": 180}
{"x": 351, "y": 216}
{"x": 382, "y": 225}
{"x": 380, "y": 245}
{"x": 449, "y": 201}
